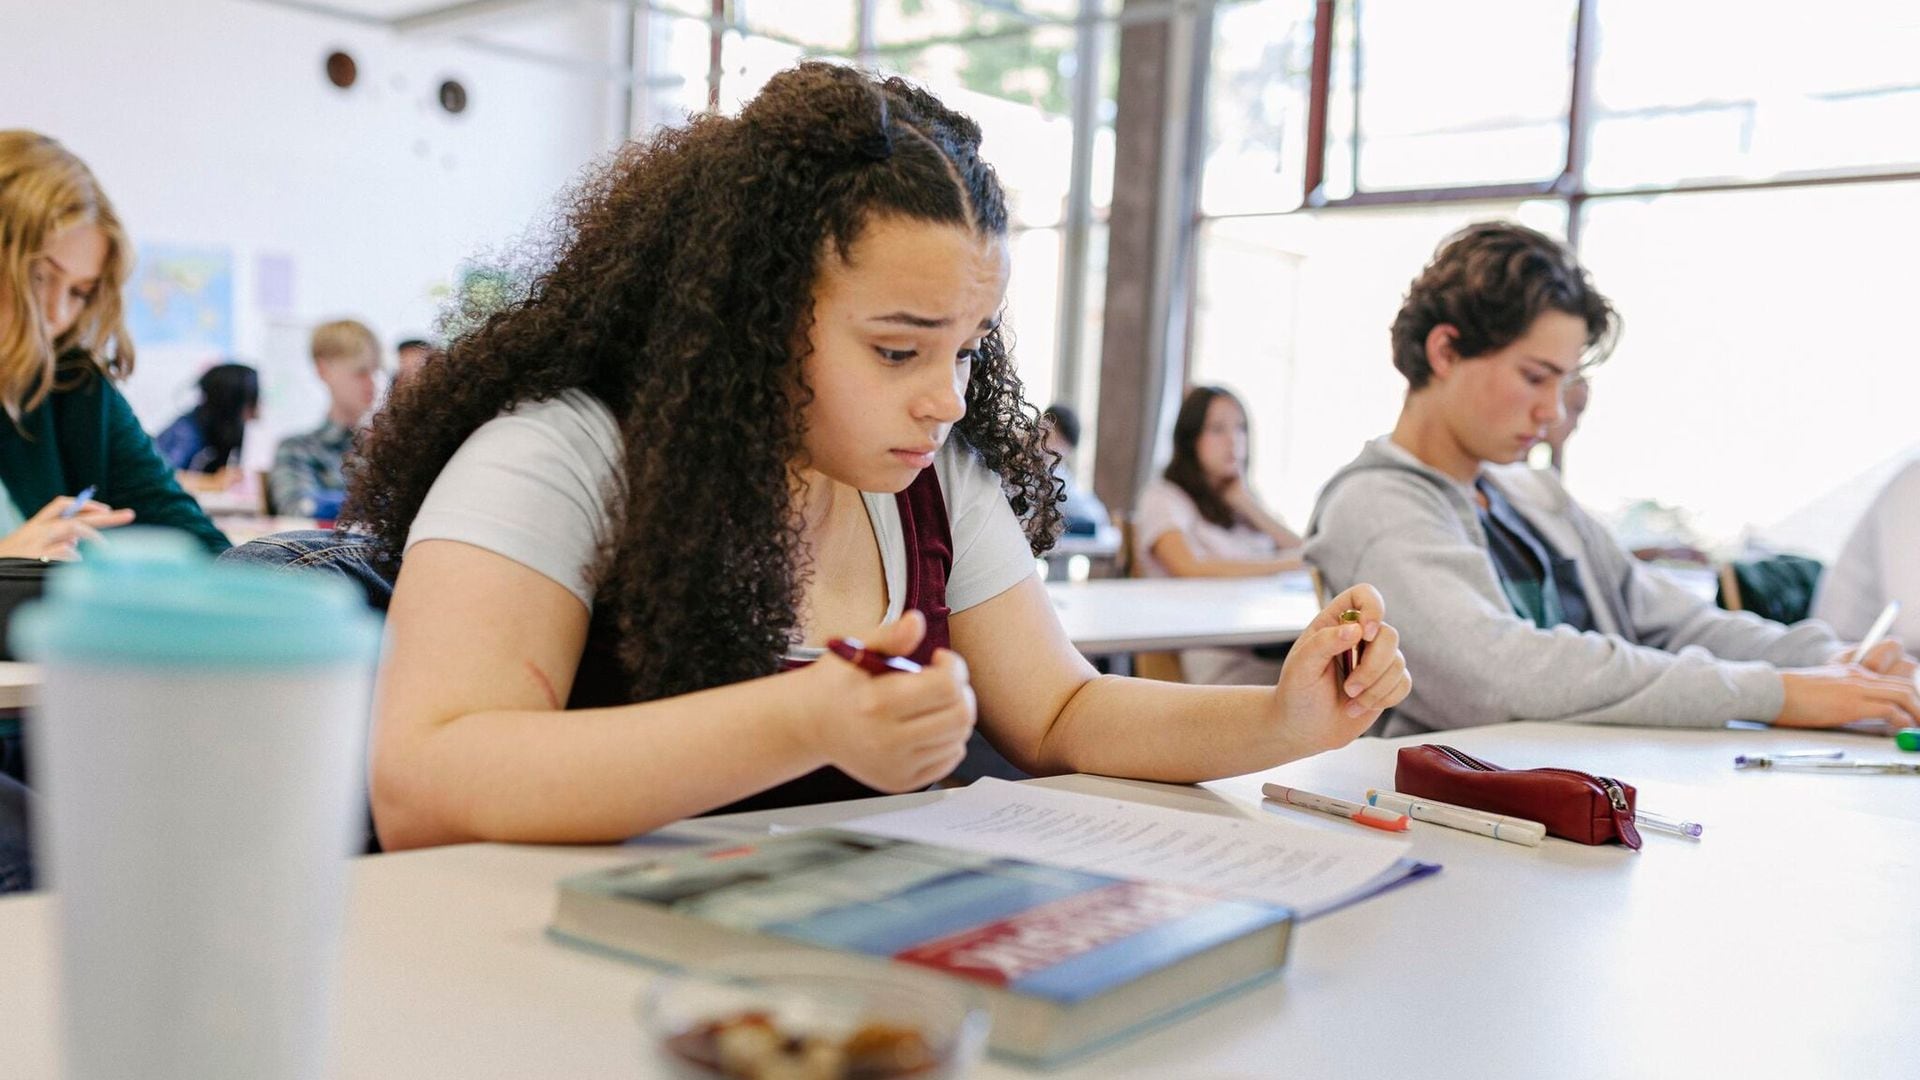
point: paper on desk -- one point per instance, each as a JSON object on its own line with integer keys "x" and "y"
{"x": 1270, "y": 859}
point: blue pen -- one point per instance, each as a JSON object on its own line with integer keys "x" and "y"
{"x": 79, "y": 501}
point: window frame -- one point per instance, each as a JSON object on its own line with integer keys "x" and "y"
{"x": 1570, "y": 186}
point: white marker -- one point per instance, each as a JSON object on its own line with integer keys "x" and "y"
{"x": 1880, "y": 627}
{"x": 1499, "y": 826}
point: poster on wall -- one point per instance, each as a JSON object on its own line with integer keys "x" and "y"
{"x": 182, "y": 297}
{"x": 179, "y": 310}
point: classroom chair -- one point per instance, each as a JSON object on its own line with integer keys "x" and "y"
{"x": 1778, "y": 587}
{"x": 16, "y": 846}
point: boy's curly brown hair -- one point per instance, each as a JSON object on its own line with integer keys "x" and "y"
{"x": 678, "y": 291}
{"x": 1490, "y": 281}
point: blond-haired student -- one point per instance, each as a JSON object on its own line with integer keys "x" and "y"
{"x": 309, "y": 476}
{"x": 64, "y": 259}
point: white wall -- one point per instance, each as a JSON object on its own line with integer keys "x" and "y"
{"x": 211, "y": 124}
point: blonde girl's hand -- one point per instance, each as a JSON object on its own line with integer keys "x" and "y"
{"x": 894, "y": 732}
{"x": 50, "y": 537}
{"x": 1310, "y": 697}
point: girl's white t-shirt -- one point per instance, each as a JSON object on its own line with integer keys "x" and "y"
{"x": 536, "y": 483}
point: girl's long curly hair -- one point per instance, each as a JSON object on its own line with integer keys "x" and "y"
{"x": 678, "y": 291}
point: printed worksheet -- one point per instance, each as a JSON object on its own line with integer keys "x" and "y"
{"x": 1275, "y": 860}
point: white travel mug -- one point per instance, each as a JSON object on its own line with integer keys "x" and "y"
{"x": 198, "y": 747}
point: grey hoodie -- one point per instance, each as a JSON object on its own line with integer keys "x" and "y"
{"x": 1660, "y": 657}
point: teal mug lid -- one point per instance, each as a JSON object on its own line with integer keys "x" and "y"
{"x": 154, "y": 596}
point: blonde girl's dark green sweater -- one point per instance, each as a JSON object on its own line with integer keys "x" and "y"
{"x": 84, "y": 433}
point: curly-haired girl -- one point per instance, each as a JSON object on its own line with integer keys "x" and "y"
{"x": 758, "y": 398}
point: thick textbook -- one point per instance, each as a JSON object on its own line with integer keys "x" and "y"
{"x": 1067, "y": 959}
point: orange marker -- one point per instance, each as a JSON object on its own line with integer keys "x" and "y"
{"x": 1372, "y": 817}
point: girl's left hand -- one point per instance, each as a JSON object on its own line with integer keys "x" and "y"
{"x": 1311, "y": 700}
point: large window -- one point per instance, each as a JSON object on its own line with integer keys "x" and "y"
{"x": 1744, "y": 183}
{"x": 1767, "y": 358}
{"x": 1292, "y": 315}
{"x": 1722, "y": 89}
{"x": 1487, "y": 106}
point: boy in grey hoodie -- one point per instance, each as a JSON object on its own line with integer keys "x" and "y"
{"x": 1513, "y": 602}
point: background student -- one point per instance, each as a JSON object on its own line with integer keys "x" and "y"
{"x": 1517, "y": 604}
{"x": 1080, "y": 509}
{"x": 1573, "y": 405}
{"x": 64, "y": 259}
{"x": 1201, "y": 519}
{"x": 1880, "y": 561}
{"x": 759, "y": 400}
{"x": 205, "y": 440}
{"x": 309, "y": 470}
{"x": 410, "y": 354}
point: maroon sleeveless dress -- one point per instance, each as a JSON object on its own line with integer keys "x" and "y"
{"x": 929, "y": 543}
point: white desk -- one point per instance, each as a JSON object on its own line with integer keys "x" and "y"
{"x": 1134, "y": 614}
{"x": 1112, "y": 615}
{"x": 1775, "y": 947}
{"x": 241, "y": 501}
{"x": 1702, "y": 581}
{"x": 19, "y": 683}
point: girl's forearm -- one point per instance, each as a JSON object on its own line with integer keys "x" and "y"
{"x": 1175, "y": 733}
{"x": 588, "y": 775}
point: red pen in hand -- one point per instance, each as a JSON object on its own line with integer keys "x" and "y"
{"x": 878, "y": 663}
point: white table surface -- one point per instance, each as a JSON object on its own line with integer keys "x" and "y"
{"x": 1113, "y": 615}
{"x": 19, "y": 682}
{"x": 241, "y": 528}
{"x": 1776, "y": 946}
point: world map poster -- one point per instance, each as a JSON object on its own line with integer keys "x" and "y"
{"x": 182, "y": 296}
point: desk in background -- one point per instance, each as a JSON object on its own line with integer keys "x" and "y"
{"x": 1079, "y": 556}
{"x": 19, "y": 684}
{"x": 241, "y": 500}
{"x": 1143, "y": 614}
{"x": 1102, "y": 543}
{"x": 241, "y": 528}
{"x": 1774, "y": 947}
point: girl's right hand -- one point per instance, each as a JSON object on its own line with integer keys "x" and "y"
{"x": 894, "y": 732}
{"x": 49, "y": 537}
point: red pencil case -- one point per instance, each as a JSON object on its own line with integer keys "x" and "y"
{"x": 1573, "y": 805}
